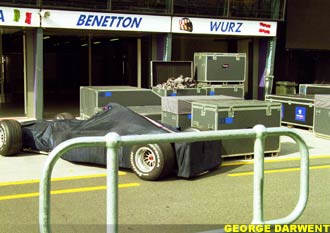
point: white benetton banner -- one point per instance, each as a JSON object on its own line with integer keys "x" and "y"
{"x": 105, "y": 21}
{"x": 223, "y": 26}
{"x": 22, "y": 17}
{"x": 111, "y": 21}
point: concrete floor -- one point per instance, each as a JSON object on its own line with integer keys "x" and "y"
{"x": 172, "y": 205}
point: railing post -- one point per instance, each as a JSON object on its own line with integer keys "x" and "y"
{"x": 258, "y": 179}
{"x": 112, "y": 143}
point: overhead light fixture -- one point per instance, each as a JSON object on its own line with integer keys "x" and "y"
{"x": 83, "y": 45}
{"x": 114, "y": 39}
{"x": 46, "y": 37}
{"x": 97, "y": 42}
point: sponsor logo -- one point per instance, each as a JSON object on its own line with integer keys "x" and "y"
{"x": 109, "y": 21}
{"x": 186, "y": 25}
{"x": 300, "y": 114}
{"x": 18, "y": 16}
{"x": 264, "y": 28}
{"x": 220, "y": 26}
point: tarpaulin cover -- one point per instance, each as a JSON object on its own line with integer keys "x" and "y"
{"x": 192, "y": 158}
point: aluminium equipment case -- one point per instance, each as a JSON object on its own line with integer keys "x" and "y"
{"x": 235, "y": 90}
{"x": 176, "y": 110}
{"x": 152, "y": 111}
{"x": 238, "y": 114}
{"x": 220, "y": 67}
{"x": 297, "y": 109}
{"x": 285, "y": 87}
{"x": 311, "y": 89}
{"x": 161, "y": 71}
{"x": 322, "y": 116}
{"x": 94, "y": 98}
{"x": 179, "y": 92}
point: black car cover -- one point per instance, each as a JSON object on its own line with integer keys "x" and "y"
{"x": 42, "y": 135}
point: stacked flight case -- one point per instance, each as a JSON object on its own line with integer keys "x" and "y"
{"x": 238, "y": 114}
{"x": 234, "y": 90}
{"x": 297, "y": 109}
{"x": 179, "y": 92}
{"x": 322, "y": 116}
{"x": 143, "y": 101}
{"x": 176, "y": 110}
{"x": 161, "y": 71}
{"x": 312, "y": 89}
{"x": 220, "y": 67}
{"x": 223, "y": 73}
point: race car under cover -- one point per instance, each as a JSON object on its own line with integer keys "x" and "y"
{"x": 149, "y": 162}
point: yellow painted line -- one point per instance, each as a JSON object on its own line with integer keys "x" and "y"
{"x": 63, "y": 191}
{"x": 279, "y": 170}
{"x": 274, "y": 160}
{"x": 120, "y": 173}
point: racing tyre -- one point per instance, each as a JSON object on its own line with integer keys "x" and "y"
{"x": 10, "y": 137}
{"x": 64, "y": 116}
{"x": 153, "y": 161}
{"x": 191, "y": 129}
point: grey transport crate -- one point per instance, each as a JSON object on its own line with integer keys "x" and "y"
{"x": 220, "y": 67}
{"x": 322, "y": 116}
{"x": 236, "y": 90}
{"x": 179, "y": 121}
{"x": 93, "y": 98}
{"x": 176, "y": 110}
{"x": 161, "y": 71}
{"x": 285, "y": 87}
{"x": 152, "y": 112}
{"x": 311, "y": 89}
{"x": 179, "y": 92}
{"x": 182, "y": 104}
{"x": 297, "y": 110}
{"x": 238, "y": 114}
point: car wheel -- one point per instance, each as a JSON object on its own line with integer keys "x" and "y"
{"x": 64, "y": 116}
{"x": 191, "y": 129}
{"x": 10, "y": 137}
{"x": 152, "y": 161}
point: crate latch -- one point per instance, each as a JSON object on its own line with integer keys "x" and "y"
{"x": 231, "y": 112}
{"x": 268, "y": 111}
{"x": 210, "y": 126}
{"x": 203, "y": 112}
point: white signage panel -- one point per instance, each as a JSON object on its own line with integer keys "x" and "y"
{"x": 23, "y": 17}
{"x": 105, "y": 21}
{"x": 223, "y": 27}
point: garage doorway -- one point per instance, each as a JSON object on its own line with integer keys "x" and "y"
{"x": 74, "y": 61}
{"x": 12, "y": 84}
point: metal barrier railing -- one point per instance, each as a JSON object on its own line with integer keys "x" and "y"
{"x": 113, "y": 141}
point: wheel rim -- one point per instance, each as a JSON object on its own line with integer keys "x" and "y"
{"x": 145, "y": 159}
{"x": 2, "y": 137}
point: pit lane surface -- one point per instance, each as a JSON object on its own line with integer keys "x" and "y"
{"x": 223, "y": 196}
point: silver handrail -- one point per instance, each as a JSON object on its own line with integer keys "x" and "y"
{"x": 113, "y": 141}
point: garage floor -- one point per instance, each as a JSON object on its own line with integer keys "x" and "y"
{"x": 207, "y": 202}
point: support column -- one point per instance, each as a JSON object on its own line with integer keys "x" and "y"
{"x": 34, "y": 73}
{"x": 2, "y": 74}
{"x": 39, "y": 74}
{"x": 269, "y": 69}
{"x": 255, "y": 79}
{"x": 168, "y": 48}
{"x": 139, "y": 61}
{"x": 90, "y": 67}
